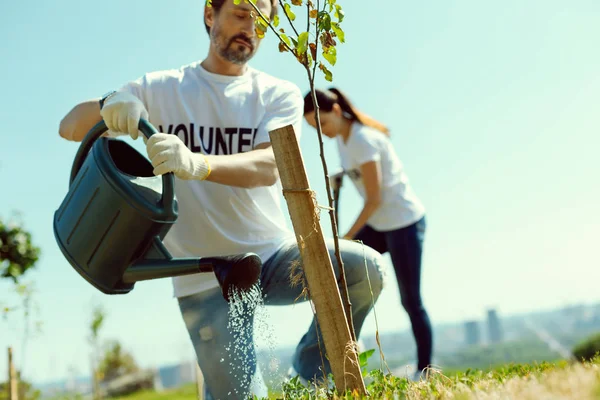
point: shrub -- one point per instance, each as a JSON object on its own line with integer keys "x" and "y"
{"x": 588, "y": 348}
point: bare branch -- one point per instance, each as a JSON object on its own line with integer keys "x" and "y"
{"x": 317, "y": 32}
{"x": 288, "y": 17}
{"x": 308, "y": 15}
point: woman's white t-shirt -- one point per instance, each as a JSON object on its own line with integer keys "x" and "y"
{"x": 218, "y": 114}
{"x": 400, "y": 207}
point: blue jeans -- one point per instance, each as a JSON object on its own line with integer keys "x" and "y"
{"x": 228, "y": 375}
{"x": 405, "y": 246}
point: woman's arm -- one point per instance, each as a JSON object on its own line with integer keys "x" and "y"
{"x": 371, "y": 176}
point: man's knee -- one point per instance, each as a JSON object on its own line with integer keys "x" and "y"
{"x": 375, "y": 272}
{"x": 206, "y": 333}
{"x": 363, "y": 266}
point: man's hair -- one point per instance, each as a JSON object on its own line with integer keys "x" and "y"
{"x": 217, "y": 4}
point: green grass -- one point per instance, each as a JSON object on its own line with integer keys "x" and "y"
{"x": 187, "y": 392}
{"x": 559, "y": 380}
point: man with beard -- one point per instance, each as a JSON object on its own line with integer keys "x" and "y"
{"x": 214, "y": 118}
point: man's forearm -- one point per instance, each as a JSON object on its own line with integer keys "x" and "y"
{"x": 251, "y": 169}
{"x": 77, "y": 123}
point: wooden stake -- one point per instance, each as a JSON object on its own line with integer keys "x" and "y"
{"x": 317, "y": 267}
{"x": 13, "y": 384}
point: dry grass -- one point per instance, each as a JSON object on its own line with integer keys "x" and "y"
{"x": 576, "y": 381}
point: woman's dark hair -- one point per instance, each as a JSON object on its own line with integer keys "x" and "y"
{"x": 328, "y": 97}
{"x": 217, "y": 4}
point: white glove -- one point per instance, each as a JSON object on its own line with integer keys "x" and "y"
{"x": 169, "y": 154}
{"x": 122, "y": 112}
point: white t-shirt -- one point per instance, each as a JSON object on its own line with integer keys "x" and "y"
{"x": 400, "y": 207}
{"x": 218, "y": 114}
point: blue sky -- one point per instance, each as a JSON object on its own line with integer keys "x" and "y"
{"x": 494, "y": 110}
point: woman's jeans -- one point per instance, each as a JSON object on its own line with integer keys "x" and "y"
{"x": 228, "y": 369}
{"x": 405, "y": 246}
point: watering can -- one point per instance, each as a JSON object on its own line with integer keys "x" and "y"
{"x": 111, "y": 223}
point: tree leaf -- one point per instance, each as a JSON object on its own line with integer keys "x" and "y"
{"x": 260, "y": 27}
{"x": 286, "y": 39}
{"x": 330, "y": 55}
{"x": 297, "y": 2}
{"x": 302, "y": 45}
{"x": 327, "y": 39}
{"x": 288, "y": 11}
{"x": 313, "y": 13}
{"x": 339, "y": 33}
{"x": 339, "y": 13}
{"x": 328, "y": 74}
{"x": 313, "y": 50}
{"x": 324, "y": 21}
{"x": 276, "y": 21}
{"x": 363, "y": 357}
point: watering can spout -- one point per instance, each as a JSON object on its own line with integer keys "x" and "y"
{"x": 238, "y": 272}
{"x": 157, "y": 269}
{"x": 235, "y": 272}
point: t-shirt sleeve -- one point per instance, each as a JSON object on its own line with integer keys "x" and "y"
{"x": 140, "y": 88}
{"x": 286, "y": 108}
{"x": 363, "y": 147}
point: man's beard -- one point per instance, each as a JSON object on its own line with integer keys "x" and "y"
{"x": 232, "y": 51}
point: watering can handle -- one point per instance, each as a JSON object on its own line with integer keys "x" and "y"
{"x": 168, "y": 180}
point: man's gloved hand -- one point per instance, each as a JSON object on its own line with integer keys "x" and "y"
{"x": 122, "y": 112}
{"x": 169, "y": 154}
